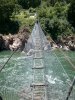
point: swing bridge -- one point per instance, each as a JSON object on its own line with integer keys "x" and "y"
{"x": 57, "y": 86}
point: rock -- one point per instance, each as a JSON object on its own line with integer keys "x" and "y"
{"x": 72, "y": 47}
{"x": 65, "y": 48}
{"x": 68, "y": 41}
{"x": 60, "y": 46}
{"x": 55, "y": 46}
{"x": 17, "y": 43}
{"x": 13, "y": 42}
{"x": 6, "y": 45}
{"x": 7, "y": 42}
{"x": 10, "y": 39}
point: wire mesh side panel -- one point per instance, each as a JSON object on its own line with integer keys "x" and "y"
{"x": 35, "y": 37}
{"x": 7, "y": 94}
{"x": 15, "y": 79}
{"x": 57, "y": 79}
{"x": 38, "y": 83}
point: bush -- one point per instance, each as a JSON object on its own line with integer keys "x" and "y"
{"x": 71, "y": 13}
{"x": 54, "y": 19}
{"x": 9, "y": 27}
{"x": 32, "y": 10}
{"x": 6, "y": 10}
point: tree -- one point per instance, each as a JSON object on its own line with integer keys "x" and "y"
{"x": 71, "y": 13}
{"x": 54, "y": 19}
{"x": 24, "y": 3}
{"x": 6, "y": 9}
{"x": 29, "y": 3}
{"x": 53, "y": 2}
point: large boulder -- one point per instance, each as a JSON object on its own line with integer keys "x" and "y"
{"x": 19, "y": 40}
{"x": 6, "y": 42}
{"x": 17, "y": 44}
{"x": 8, "y": 39}
{"x": 13, "y": 42}
{"x": 65, "y": 48}
{"x": 67, "y": 42}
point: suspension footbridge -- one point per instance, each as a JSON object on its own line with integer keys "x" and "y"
{"x": 40, "y": 77}
{"x": 38, "y": 83}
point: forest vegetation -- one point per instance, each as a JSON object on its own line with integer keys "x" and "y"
{"x": 57, "y": 17}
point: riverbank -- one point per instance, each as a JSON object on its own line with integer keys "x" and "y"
{"x": 66, "y": 42}
{"x": 13, "y": 42}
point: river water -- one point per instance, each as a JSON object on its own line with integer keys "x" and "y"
{"x": 16, "y": 77}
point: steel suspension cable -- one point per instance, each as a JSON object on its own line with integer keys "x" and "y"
{"x": 73, "y": 83}
{"x": 64, "y": 56}
{"x": 8, "y": 60}
{"x": 61, "y": 66}
{"x": 70, "y": 90}
{"x": 67, "y": 58}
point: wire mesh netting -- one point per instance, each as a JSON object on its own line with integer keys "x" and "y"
{"x": 38, "y": 83}
{"x": 33, "y": 41}
{"x": 37, "y": 77}
{"x": 58, "y": 81}
{"x": 57, "y": 78}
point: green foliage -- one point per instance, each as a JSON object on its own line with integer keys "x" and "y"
{"x": 53, "y": 2}
{"x": 6, "y": 9}
{"x": 54, "y": 19}
{"x": 9, "y": 27}
{"x": 24, "y": 3}
{"x": 32, "y": 10}
{"x": 17, "y": 9}
{"x": 29, "y": 3}
{"x": 71, "y": 13}
{"x": 52, "y": 15}
{"x": 24, "y": 18}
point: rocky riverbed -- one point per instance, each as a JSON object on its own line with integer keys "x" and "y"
{"x": 13, "y": 42}
{"x": 67, "y": 42}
